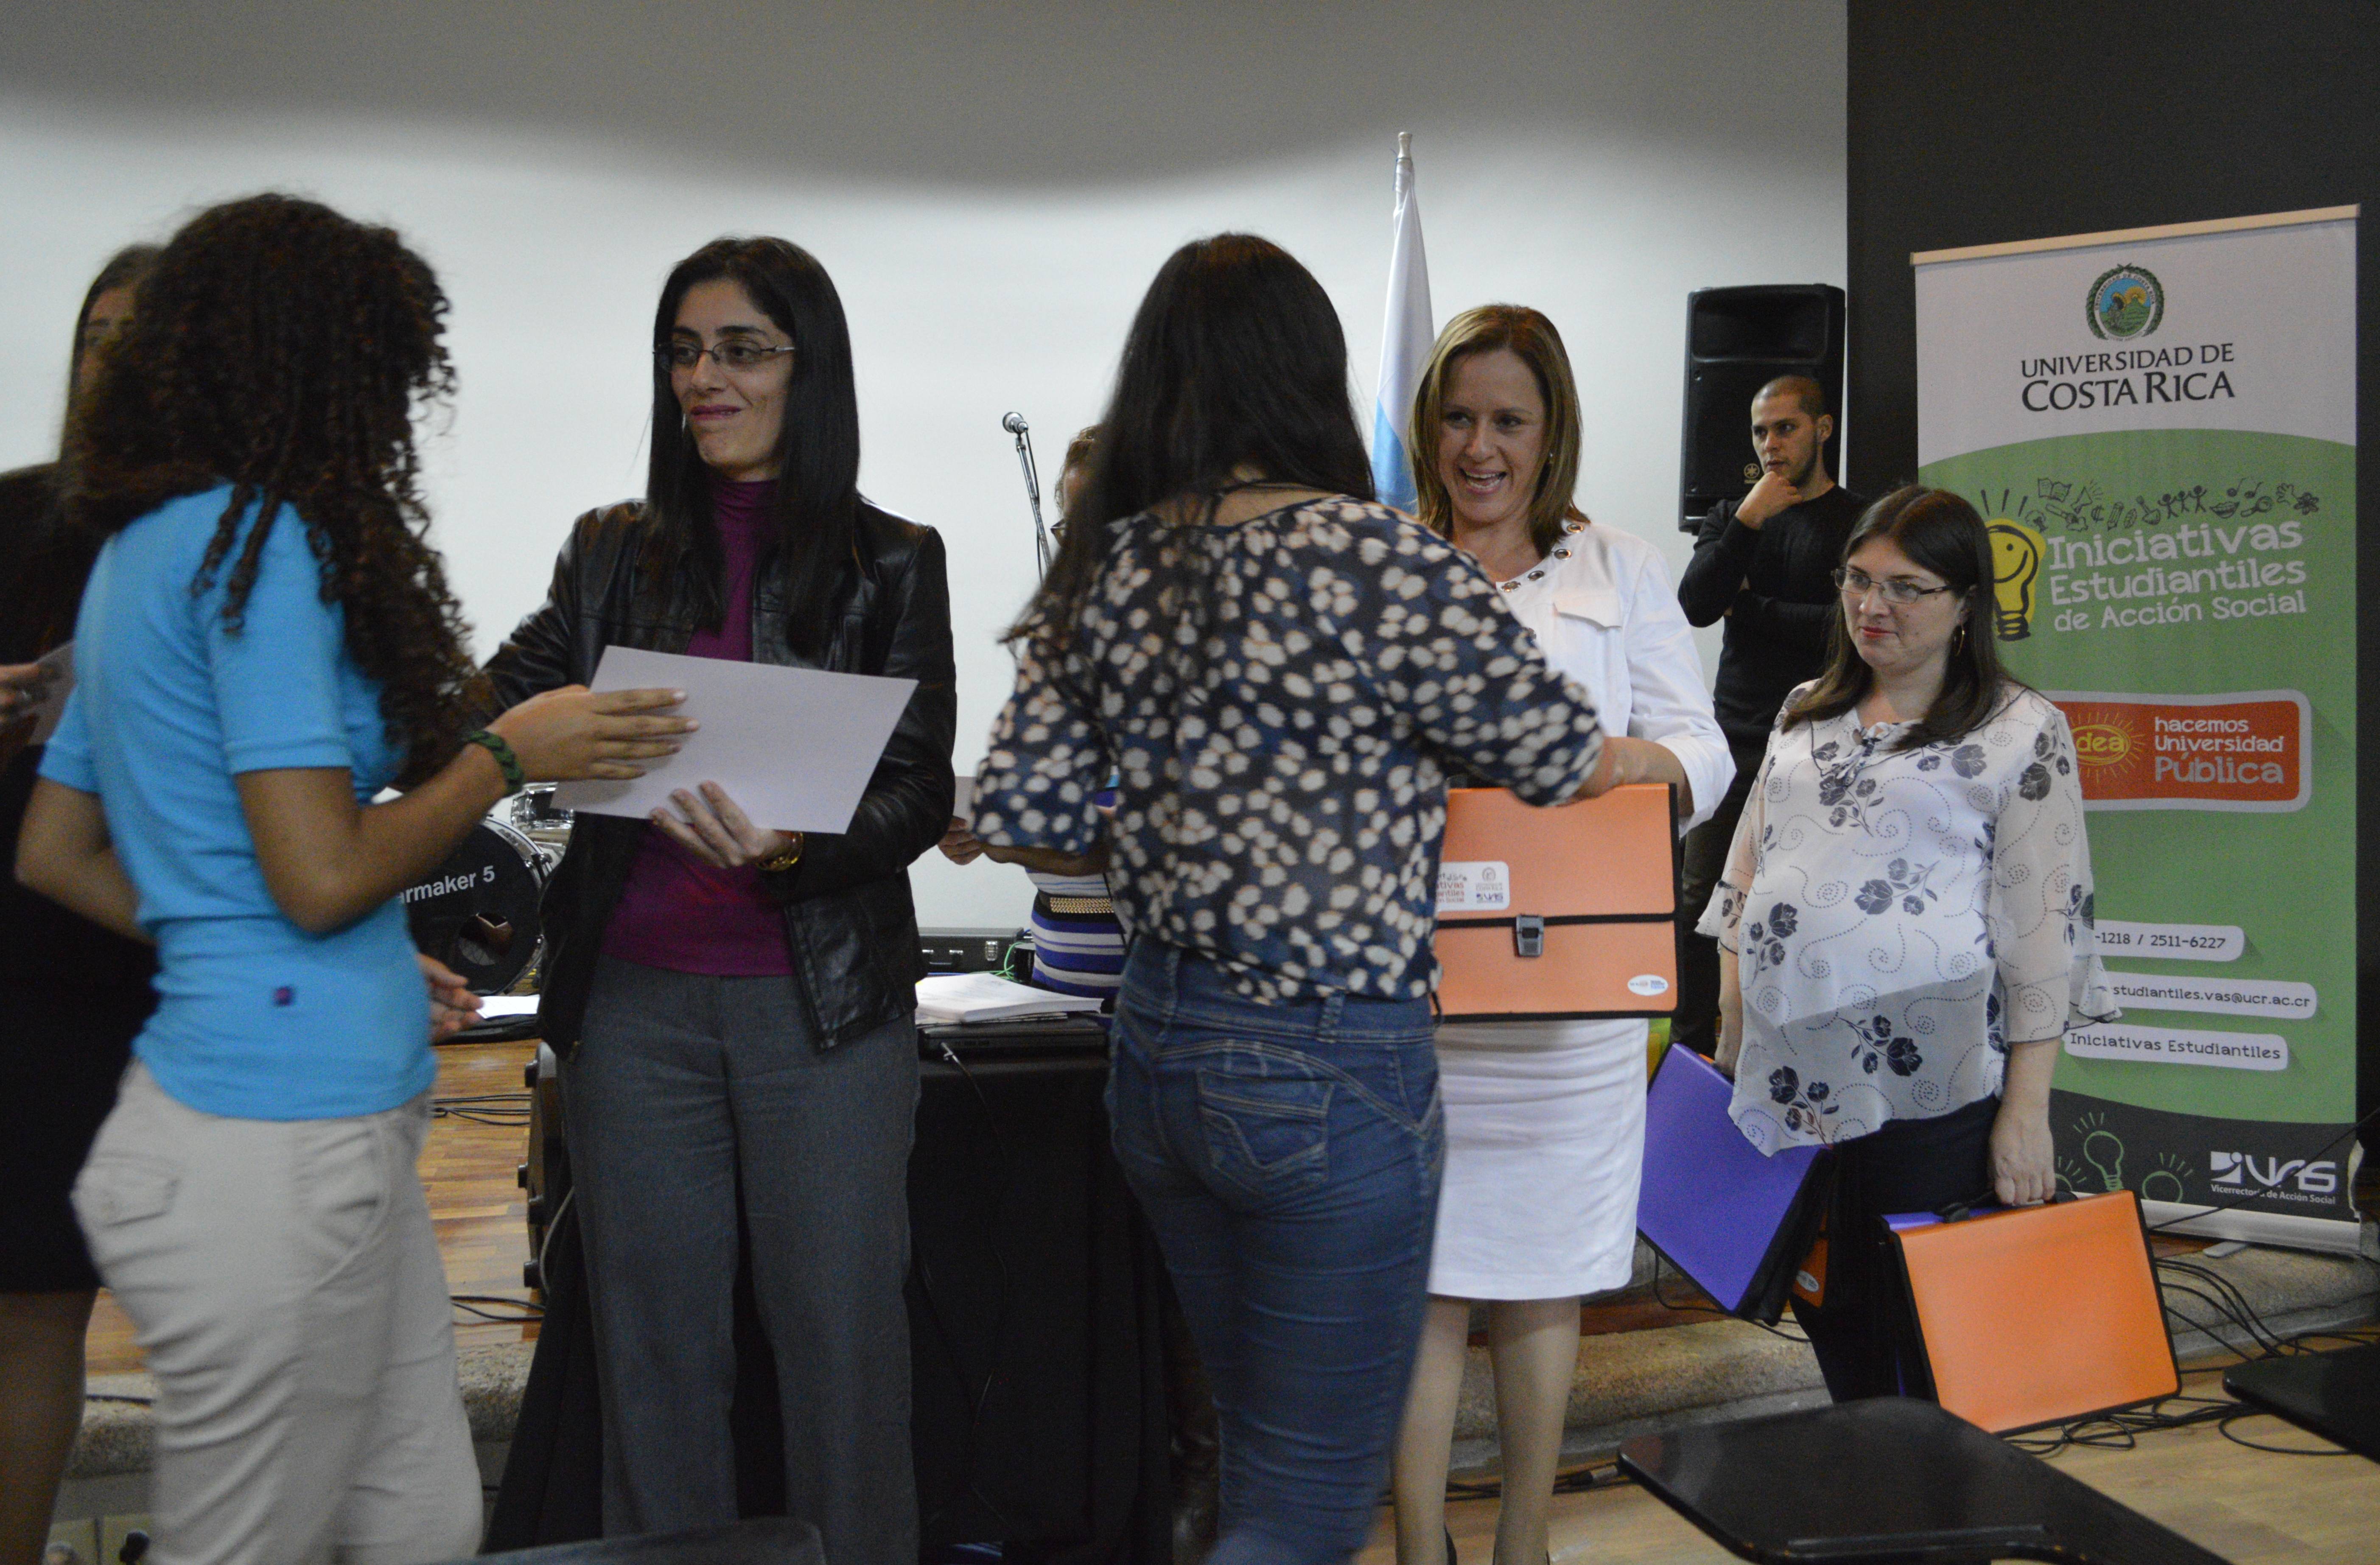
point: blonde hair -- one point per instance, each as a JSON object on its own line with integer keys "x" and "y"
{"x": 1529, "y": 334}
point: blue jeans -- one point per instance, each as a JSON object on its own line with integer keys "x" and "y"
{"x": 1288, "y": 1159}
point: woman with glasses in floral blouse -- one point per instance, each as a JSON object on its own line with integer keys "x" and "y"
{"x": 1905, "y": 922}
{"x": 1282, "y": 672}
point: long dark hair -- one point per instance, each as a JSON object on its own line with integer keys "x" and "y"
{"x": 281, "y": 348}
{"x": 1234, "y": 359}
{"x": 816, "y": 505}
{"x": 40, "y": 589}
{"x": 125, "y": 269}
{"x": 1941, "y": 533}
{"x": 1532, "y": 338}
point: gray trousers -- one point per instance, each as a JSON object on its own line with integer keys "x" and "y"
{"x": 685, "y": 1087}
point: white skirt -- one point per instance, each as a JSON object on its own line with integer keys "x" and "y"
{"x": 1545, "y": 1144}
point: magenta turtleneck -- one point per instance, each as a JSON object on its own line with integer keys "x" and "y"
{"x": 678, "y": 912}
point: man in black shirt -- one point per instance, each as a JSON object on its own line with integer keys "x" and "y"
{"x": 1766, "y": 564}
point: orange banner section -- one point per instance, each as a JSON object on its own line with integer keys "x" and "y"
{"x": 2242, "y": 752}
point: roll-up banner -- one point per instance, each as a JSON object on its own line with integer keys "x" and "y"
{"x": 2159, "y": 428}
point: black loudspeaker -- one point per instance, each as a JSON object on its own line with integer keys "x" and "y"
{"x": 1737, "y": 341}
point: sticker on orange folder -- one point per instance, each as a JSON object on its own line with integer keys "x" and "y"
{"x": 2039, "y": 1315}
{"x": 1810, "y": 1277}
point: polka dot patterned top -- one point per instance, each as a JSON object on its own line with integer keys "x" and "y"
{"x": 1282, "y": 778}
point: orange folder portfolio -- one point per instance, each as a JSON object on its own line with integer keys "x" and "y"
{"x": 2037, "y": 1314}
{"x": 1557, "y": 913}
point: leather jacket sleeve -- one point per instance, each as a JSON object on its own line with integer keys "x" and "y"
{"x": 907, "y": 804}
{"x": 542, "y": 652}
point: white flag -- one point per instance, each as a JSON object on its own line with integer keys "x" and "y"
{"x": 1404, "y": 344}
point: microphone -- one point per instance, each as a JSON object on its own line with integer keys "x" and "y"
{"x": 1015, "y": 425}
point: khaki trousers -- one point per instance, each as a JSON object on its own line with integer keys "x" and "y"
{"x": 285, "y": 1285}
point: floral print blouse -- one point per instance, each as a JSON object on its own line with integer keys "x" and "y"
{"x": 1282, "y": 780}
{"x": 1900, "y": 916}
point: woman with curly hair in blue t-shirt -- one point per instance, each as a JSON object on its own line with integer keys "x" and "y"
{"x": 265, "y": 643}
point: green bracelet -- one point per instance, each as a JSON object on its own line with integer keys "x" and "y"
{"x": 506, "y": 762}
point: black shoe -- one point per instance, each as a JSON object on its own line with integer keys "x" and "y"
{"x": 1451, "y": 1558}
{"x": 1197, "y": 1511}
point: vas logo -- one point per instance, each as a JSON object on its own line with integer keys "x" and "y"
{"x": 2233, "y": 1171}
{"x": 2125, "y": 302}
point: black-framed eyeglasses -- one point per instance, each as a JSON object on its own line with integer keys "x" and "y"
{"x": 1898, "y": 590}
{"x": 736, "y": 355}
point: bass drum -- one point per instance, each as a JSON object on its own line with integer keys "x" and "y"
{"x": 478, "y": 912}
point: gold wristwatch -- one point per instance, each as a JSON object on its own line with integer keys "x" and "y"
{"x": 784, "y": 858}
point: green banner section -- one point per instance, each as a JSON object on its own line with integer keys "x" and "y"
{"x": 2189, "y": 597}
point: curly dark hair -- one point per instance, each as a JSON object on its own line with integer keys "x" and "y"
{"x": 282, "y": 347}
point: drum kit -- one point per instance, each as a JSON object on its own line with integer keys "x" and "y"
{"x": 478, "y": 912}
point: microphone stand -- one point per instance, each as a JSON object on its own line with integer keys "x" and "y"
{"x": 1015, "y": 425}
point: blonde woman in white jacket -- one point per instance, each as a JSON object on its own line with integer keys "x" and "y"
{"x": 1545, "y": 1120}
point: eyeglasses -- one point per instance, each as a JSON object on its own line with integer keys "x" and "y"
{"x": 1898, "y": 591}
{"x": 735, "y": 355}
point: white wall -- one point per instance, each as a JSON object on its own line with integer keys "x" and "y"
{"x": 990, "y": 186}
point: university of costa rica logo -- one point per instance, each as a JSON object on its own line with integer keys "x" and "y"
{"x": 2125, "y": 302}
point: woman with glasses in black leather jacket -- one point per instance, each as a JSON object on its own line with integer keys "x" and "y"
{"x": 733, "y": 1003}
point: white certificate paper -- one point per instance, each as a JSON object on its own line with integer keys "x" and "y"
{"x": 59, "y": 661}
{"x": 792, "y": 746}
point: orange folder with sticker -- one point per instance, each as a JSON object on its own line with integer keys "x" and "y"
{"x": 2036, "y": 1314}
{"x": 1550, "y": 914}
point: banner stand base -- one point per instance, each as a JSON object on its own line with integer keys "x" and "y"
{"x": 2327, "y": 1235}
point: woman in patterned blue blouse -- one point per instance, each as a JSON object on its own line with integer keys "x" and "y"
{"x": 1905, "y": 924}
{"x": 1280, "y": 671}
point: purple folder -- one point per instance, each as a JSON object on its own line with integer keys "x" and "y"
{"x": 1735, "y": 1221}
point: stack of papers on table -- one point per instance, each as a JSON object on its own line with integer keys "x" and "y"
{"x": 984, "y": 997}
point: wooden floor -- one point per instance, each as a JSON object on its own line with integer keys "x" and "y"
{"x": 2250, "y": 1508}
{"x": 2247, "y": 1506}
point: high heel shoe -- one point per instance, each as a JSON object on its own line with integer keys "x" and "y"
{"x": 1451, "y": 1558}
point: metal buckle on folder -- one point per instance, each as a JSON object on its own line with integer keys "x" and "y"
{"x": 1529, "y": 935}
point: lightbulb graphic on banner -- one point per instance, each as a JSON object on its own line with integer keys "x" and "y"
{"x": 2165, "y": 1182}
{"x": 2104, "y": 1150}
{"x": 2016, "y": 568}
